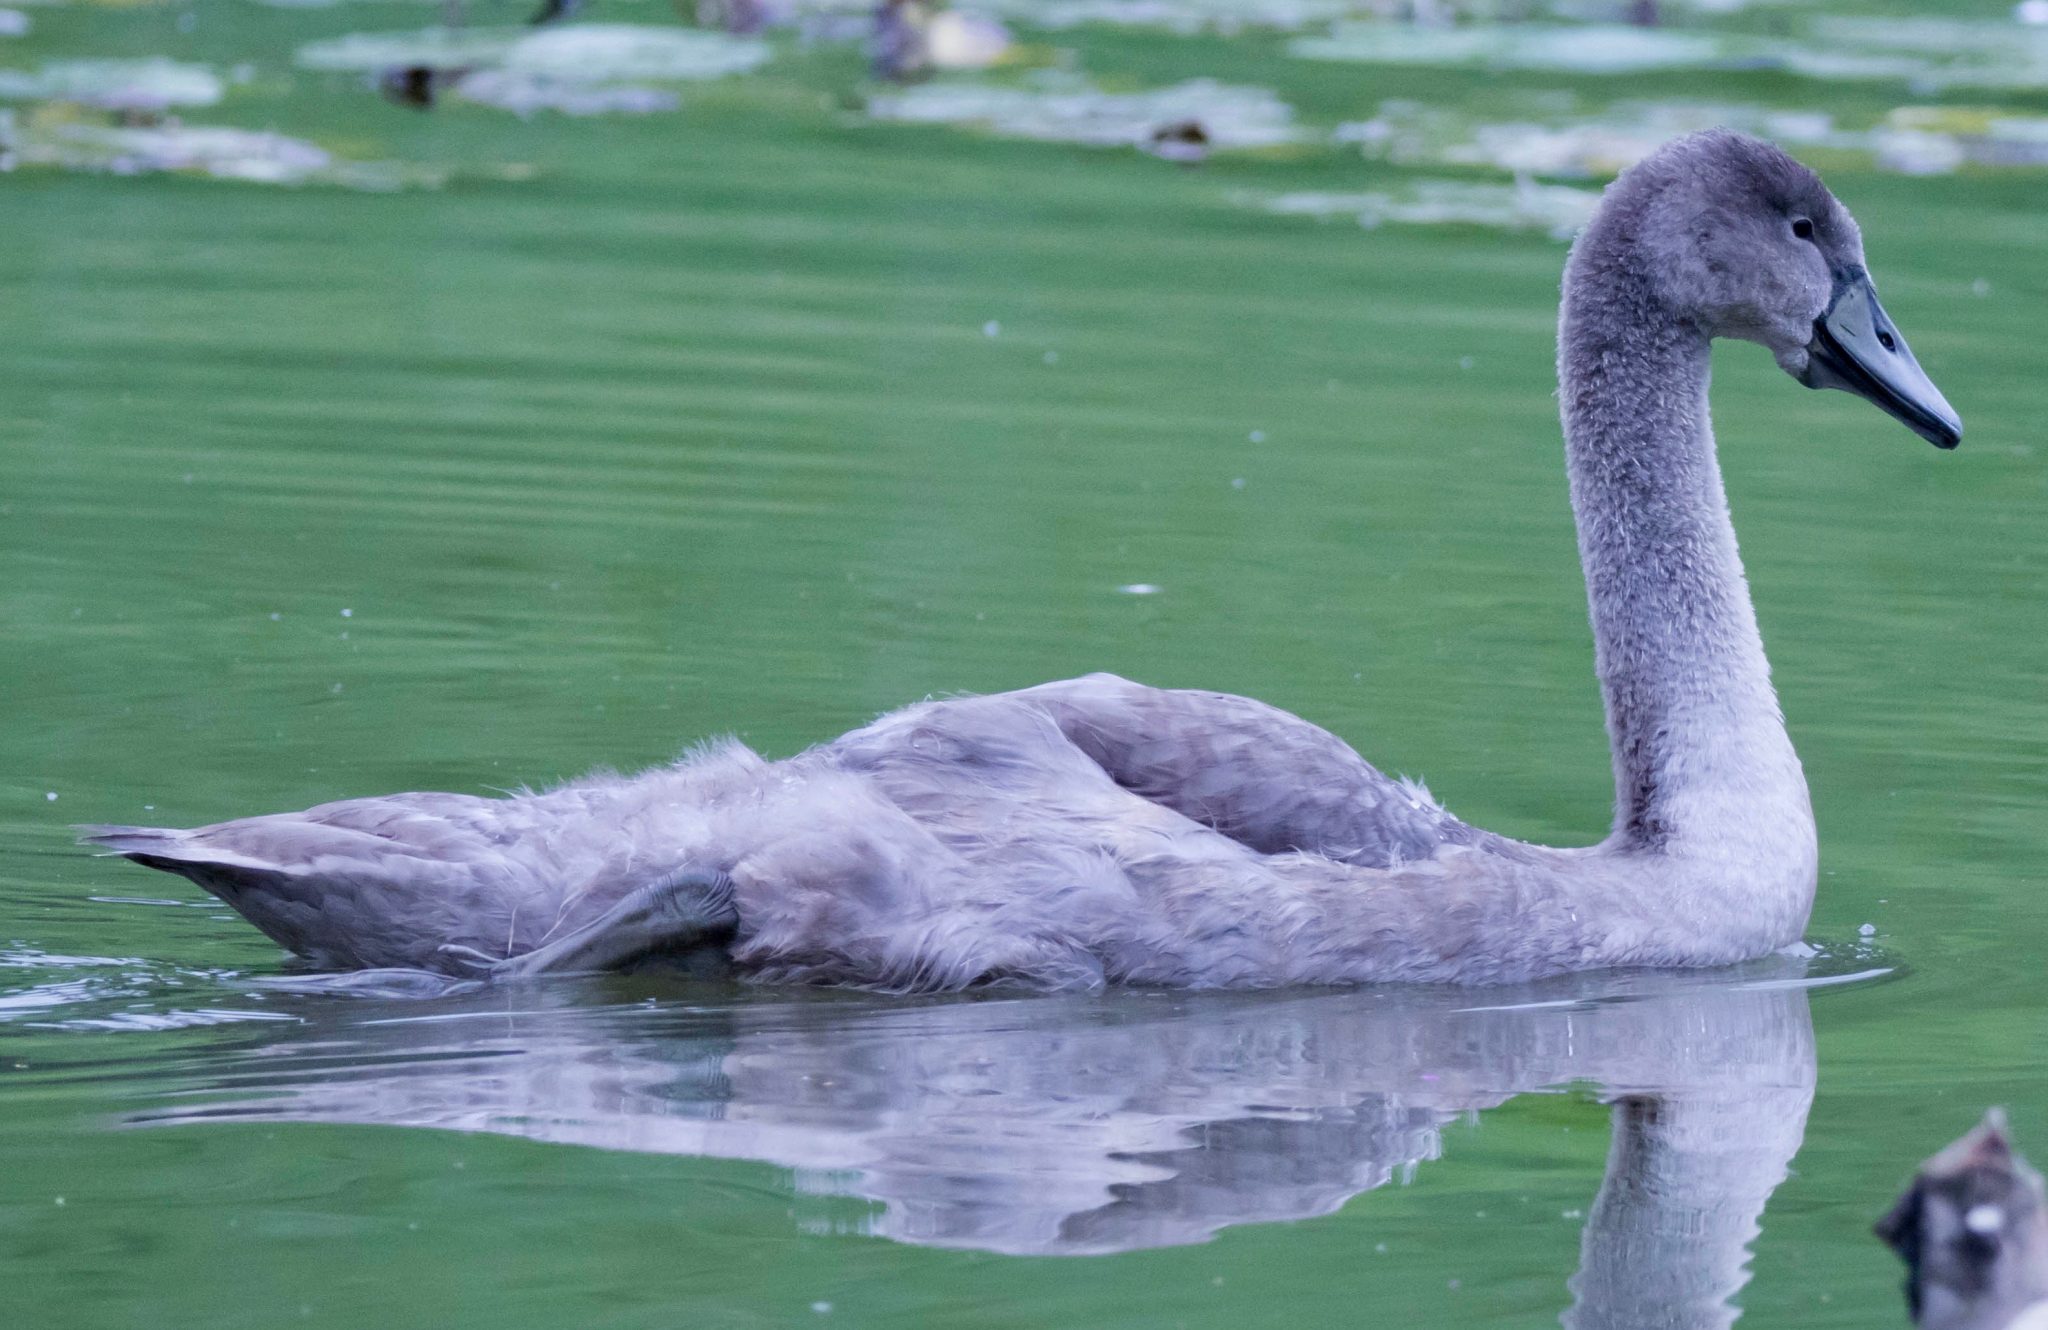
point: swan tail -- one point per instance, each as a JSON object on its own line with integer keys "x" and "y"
{"x": 172, "y": 850}
{"x": 300, "y": 896}
{"x": 449, "y": 882}
{"x": 288, "y": 904}
{"x": 377, "y": 882}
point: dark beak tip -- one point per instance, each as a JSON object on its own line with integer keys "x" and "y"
{"x": 1843, "y": 354}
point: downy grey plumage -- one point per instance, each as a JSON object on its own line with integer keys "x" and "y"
{"x": 1096, "y": 831}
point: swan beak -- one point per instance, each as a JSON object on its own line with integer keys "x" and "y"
{"x": 1856, "y": 348}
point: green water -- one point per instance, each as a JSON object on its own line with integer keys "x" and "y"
{"x": 694, "y": 423}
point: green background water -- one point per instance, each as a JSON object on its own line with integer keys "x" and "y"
{"x": 695, "y": 427}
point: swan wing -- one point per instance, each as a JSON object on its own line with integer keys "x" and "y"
{"x": 1262, "y": 776}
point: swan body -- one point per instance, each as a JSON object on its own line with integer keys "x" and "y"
{"x": 1097, "y": 831}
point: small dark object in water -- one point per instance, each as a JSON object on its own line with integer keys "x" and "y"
{"x": 1973, "y": 1232}
{"x": 417, "y": 86}
{"x": 421, "y": 86}
{"x": 1181, "y": 141}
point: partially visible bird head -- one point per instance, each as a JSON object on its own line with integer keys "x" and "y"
{"x": 1973, "y": 1232}
{"x": 1737, "y": 238}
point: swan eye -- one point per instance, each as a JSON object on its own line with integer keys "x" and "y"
{"x": 1802, "y": 228}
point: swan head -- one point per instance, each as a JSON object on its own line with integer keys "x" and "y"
{"x": 1742, "y": 241}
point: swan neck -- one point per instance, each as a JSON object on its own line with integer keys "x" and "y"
{"x": 1699, "y": 746}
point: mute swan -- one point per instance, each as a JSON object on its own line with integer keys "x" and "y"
{"x": 1095, "y": 831}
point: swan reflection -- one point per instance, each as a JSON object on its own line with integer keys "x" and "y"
{"x": 1104, "y": 1123}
